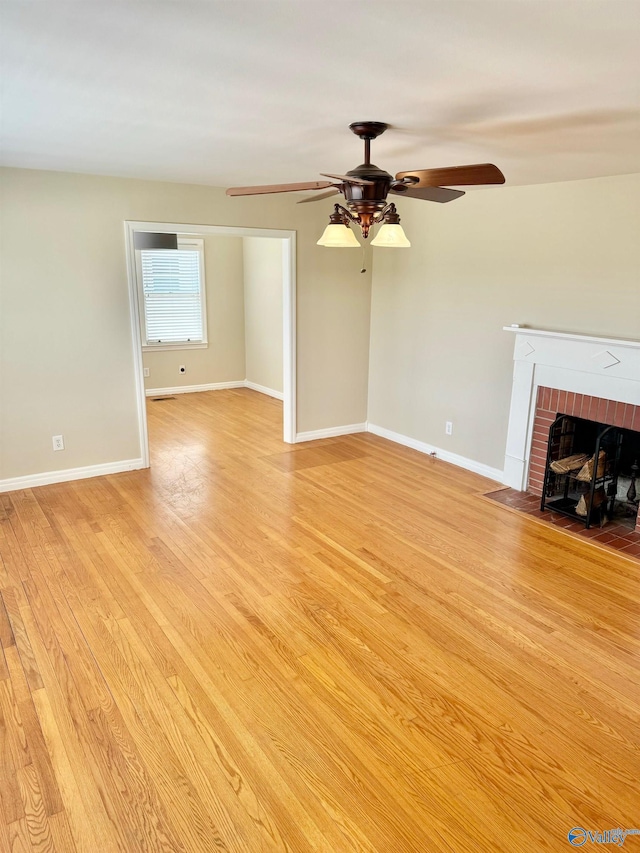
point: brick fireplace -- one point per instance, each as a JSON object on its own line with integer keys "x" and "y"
{"x": 594, "y": 378}
{"x": 551, "y": 402}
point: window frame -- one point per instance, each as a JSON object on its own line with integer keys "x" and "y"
{"x": 183, "y": 243}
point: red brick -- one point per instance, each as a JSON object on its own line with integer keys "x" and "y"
{"x": 628, "y": 417}
{"x": 577, "y": 406}
{"x": 547, "y": 400}
{"x": 542, "y": 438}
{"x": 584, "y": 406}
{"x": 618, "y": 414}
{"x": 546, "y": 396}
{"x": 601, "y": 411}
{"x": 542, "y": 429}
{"x": 541, "y": 432}
{"x": 538, "y": 463}
{"x": 562, "y": 402}
{"x": 571, "y": 402}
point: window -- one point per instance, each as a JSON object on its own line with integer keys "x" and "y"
{"x": 172, "y": 296}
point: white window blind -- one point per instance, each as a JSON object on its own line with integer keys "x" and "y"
{"x": 173, "y": 294}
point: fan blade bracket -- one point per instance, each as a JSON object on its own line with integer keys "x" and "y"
{"x": 279, "y": 188}
{"x": 348, "y": 179}
{"x": 475, "y": 174}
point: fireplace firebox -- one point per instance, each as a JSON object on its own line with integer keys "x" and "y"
{"x": 586, "y": 464}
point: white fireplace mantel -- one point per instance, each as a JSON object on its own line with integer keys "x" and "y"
{"x": 596, "y": 366}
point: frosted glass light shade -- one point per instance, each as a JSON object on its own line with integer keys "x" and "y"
{"x": 339, "y": 237}
{"x": 391, "y": 237}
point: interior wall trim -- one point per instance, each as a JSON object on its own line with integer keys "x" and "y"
{"x": 330, "y": 432}
{"x": 262, "y": 389}
{"x": 194, "y": 389}
{"x": 444, "y": 455}
{"x": 214, "y": 386}
{"x": 289, "y": 323}
{"x": 46, "y": 478}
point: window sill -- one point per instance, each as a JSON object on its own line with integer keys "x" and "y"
{"x": 164, "y": 347}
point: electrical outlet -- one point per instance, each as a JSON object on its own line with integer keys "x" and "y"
{"x": 58, "y": 442}
{"x": 448, "y": 427}
{"x": 146, "y": 372}
{"x": 182, "y": 369}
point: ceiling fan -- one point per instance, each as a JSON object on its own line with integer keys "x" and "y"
{"x": 366, "y": 188}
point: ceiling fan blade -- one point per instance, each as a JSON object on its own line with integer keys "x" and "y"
{"x": 440, "y": 194}
{"x": 279, "y": 188}
{"x": 456, "y": 176}
{"x": 319, "y": 196}
{"x": 348, "y": 179}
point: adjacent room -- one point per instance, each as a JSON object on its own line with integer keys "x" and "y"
{"x": 319, "y": 490}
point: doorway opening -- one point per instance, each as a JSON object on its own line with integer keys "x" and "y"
{"x": 197, "y": 344}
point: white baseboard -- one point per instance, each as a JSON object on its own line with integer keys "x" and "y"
{"x": 48, "y": 477}
{"x": 193, "y": 389}
{"x": 214, "y": 386}
{"x": 330, "y": 432}
{"x": 262, "y": 389}
{"x": 445, "y": 455}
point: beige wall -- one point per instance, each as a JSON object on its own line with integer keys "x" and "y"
{"x": 562, "y": 256}
{"x": 67, "y": 357}
{"x": 224, "y": 358}
{"x": 559, "y": 256}
{"x": 263, "y": 311}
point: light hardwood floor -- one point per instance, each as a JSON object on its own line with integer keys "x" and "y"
{"x": 338, "y": 646}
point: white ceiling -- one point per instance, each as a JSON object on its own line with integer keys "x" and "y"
{"x": 237, "y": 92}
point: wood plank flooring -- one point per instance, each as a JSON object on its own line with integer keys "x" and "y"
{"x": 337, "y": 646}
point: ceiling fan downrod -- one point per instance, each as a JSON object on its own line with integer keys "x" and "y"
{"x": 368, "y": 130}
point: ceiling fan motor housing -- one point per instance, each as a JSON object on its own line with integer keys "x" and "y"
{"x": 367, "y": 200}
